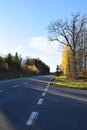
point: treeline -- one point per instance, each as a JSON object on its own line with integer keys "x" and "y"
{"x": 16, "y": 64}
{"x": 67, "y": 62}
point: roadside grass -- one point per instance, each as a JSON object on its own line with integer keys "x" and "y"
{"x": 63, "y": 81}
{"x": 10, "y": 75}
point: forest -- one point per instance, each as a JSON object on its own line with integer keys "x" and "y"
{"x": 19, "y": 67}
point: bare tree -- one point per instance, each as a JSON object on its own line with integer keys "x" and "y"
{"x": 68, "y": 33}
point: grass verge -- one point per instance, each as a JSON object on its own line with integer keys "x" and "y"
{"x": 63, "y": 81}
{"x": 10, "y": 75}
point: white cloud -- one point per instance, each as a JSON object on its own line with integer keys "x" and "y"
{"x": 42, "y": 44}
{"x": 39, "y": 43}
{"x": 47, "y": 51}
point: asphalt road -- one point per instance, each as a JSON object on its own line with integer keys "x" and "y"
{"x": 32, "y": 104}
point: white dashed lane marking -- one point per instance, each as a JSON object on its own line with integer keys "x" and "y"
{"x": 46, "y": 89}
{"x": 34, "y": 115}
{"x": 40, "y": 101}
{"x": 43, "y": 94}
{"x": 32, "y": 118}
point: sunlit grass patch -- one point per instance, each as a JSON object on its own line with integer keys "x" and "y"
{"x": 63, "y": 81}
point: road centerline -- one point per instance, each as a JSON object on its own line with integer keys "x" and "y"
{"x": 43, "y": 94}
{"x": 40, "y": 101}
{"x": 32, "y": 118}
{"x": 46, "y": 89}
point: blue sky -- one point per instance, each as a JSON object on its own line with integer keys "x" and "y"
{"x": 23, "y": 27}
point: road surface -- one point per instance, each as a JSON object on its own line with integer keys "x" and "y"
{"x": 33, "y": 104}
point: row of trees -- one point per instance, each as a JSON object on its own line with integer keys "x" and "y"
{"x": 81, "y": 56}
{"x": 67, "y": 61}
{"x": 15, "y": 63}
{"x": 41, "y": 66}
{"x": 10, "y": 63}
{"x": 69, "y": 33}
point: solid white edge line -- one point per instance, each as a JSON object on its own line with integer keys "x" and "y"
{"x": 43, "y": 94}
{"x": 40, "y": 101}
{"x": 32, "y": 118}
{"x": 16, "y": 86}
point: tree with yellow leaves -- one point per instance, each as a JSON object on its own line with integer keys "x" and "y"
{"x": 67, "y": 60}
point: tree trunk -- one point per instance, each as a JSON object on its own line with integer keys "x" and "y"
{"x": 74, "y": 66}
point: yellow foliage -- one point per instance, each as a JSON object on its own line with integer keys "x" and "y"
{"x": 32, "y": 68}
{"x": 5, "y": 66}
{"x": 67, "y": 60}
